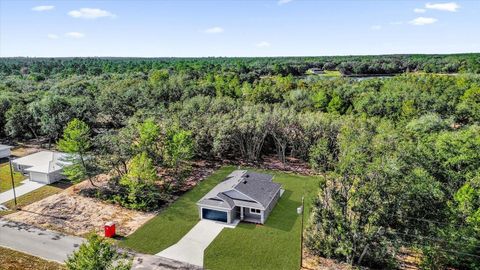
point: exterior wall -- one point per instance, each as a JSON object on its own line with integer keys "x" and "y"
{"x": 248, "y": 215}
{"x": 45, "y": 177}
{"x": 39, "y": 177}
{"x": 55, "y": 176}
{"x": 4, "y": 153}
{"x": 271, "y": 205}
{"x": 19, "y": 168}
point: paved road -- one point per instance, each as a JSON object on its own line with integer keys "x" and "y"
{"x": 191, "y": 247}
{"x": 26, "y": 187}
{"x": 42, "y": 243}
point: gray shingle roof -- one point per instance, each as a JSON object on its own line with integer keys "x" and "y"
{"x": 258, "y": 187}
{"x": 261, "y": 191}
{"x": 226, "y": 199}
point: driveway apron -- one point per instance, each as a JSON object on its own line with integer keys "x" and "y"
{"x": 191, "y": 247}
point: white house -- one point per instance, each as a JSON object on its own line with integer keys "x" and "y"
{"x": 43, "y": 167}
{"x": 4, "y": 151}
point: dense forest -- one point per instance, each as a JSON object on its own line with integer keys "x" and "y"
{"x": 246, "y": 68}
{"x": 399, "y": 155}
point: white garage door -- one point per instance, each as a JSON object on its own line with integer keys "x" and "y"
{"x": 39, "y": 177}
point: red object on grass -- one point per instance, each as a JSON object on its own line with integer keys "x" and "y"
{"x": 109, "y": 229}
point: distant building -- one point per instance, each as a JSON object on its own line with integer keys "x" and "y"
{"x": 315, "y": 71}
{"x": 43, "y": 167}
{"x": 5, "y": 150}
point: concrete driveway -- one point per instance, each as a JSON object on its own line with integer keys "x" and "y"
{"x": 42, "y": 243}
{"x": 191, "y": 247}
{"x": 26, "y": 187}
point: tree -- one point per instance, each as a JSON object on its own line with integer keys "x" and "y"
{"x": 350, "y": 219}
{"x": 469, "y": 107}
{"x": 178, "y": 149}
{"x": 158, "y": 76}
{"x": 149, "y": 140}
{"x": 97, "y": 254}
{"x": 282, "y": 128}
{"x": 20, "y": 122}
{"x": 321, "y": 157}
{"x": 141, "y": 192}
{"x": 335, "y": 105}
{"x": 53, "y": 113}
{"x": 76, "y": 141}
{"x": 320, "y": 100}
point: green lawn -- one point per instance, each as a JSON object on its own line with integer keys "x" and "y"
{"x": 14, "y": 260}
{"x": 275, "y": 245}
{"x": 5, "y": 178}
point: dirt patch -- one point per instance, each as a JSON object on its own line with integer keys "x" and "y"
{"x": 199, "y": 170}
{"x": 293, "y": 165}
{"x": 311, "y": 262}
{"x": 22, "y": 151}
{"x": 407, "y": 260}
{"x": 72, "y": 213}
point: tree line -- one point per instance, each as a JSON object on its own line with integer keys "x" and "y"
{"x": 42, "y": 68}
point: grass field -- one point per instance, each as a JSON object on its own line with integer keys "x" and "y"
{"x": 331, "y": 73}
{"x": 14, "y": 260}
{"x": 275, "y": 245}
{"x": 5, "y": 178}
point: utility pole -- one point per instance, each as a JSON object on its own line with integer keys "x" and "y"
{"x": 300, "y": 210}
{"x": 13, "y": 182}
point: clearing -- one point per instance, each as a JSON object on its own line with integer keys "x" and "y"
{"x": 71, "y": 213}
{"x": 275, "y": 245}
{"x": 331, "y": 73}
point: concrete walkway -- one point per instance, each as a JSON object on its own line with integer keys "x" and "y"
{"x": 26, "y": 187}
{"x": 42, "y": 243}
{"x": 152, "y": 262}
{"x": 191, "y": 247}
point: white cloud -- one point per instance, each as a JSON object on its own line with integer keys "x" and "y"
{"x": 450, "y": 6}
{"x": 419, "y": 10}
{"x": 423, "y": 21}
{"x": 75, "y": 35}
{"x": 43, "y": 8}
{"x": 214, "y": 30}
{"x": 376, "y": 27}
{"x": 263, "y": 44}
{"x": 90, "y": 13}
{"x": 52, "y": 36}
{"x": 283, "y": 2}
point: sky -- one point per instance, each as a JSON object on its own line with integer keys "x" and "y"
{"x": 195, "y": 28}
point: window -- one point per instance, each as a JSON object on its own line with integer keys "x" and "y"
{"x": 254, "y": 211}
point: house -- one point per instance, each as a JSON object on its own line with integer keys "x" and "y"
{"x": 5, "y": 151}
{"x": 243, "y": 195}
{"x": 43, "y": 167}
